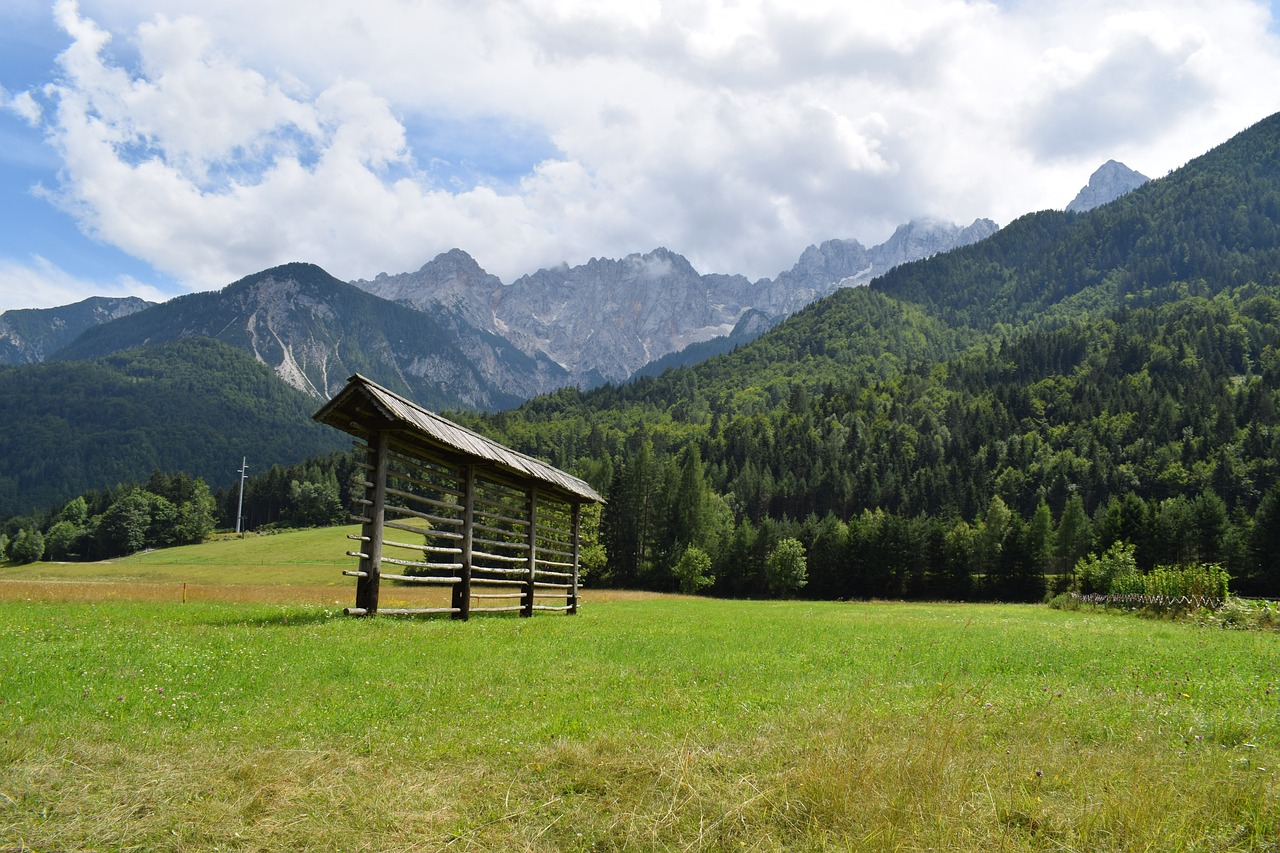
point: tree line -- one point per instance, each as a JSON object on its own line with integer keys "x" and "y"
{"x": 177, "y": 509}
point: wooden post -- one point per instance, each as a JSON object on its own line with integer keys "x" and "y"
{"x": 573, "y": 583}
{"x": 367, "y": 586}
{"x": 526, "y": 603}
{"x": 462, "y": 590}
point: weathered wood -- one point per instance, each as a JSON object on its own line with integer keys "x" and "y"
{"x": 420, "y": 564}
{"x": 576, "y": 525}
{"x": 371, "y": 564}
{"x": 504, "y": 558}
{"x": 462, "y": 592}
{"x": 532, "y": 567}
{"x": 423, "y": 531}
{"x": 424, "y": 579}
{"x": 410, "y": 496}
{"x": 544, "y": 573}
{"x": 452, "y": 488}
{"x": 488, "y": 528}
{"x": 430, "y": 549}
{"x": 425, "y": 516}
{"x": 515, "y": 546}
{"x": 416, "y": 611}
{"x": 519, "y": 573}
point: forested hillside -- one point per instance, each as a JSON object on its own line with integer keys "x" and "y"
{"x": 195, "y": 406}
{"x": 975, "y": 422}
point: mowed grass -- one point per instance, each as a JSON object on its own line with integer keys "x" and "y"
{"x": 645, "y": 722}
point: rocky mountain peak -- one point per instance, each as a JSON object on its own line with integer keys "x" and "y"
{"x": 1108, "y": 183}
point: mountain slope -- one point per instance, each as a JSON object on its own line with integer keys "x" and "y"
{"x": 30, "y": 335}
{"x": 314, "y": 331}
{"x": 1212, "y": 225}
{"x": 1127, "y": 351}
{"x": 195, "y": 405}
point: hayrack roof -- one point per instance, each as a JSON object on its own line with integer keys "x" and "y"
{"x": 363, "y": 407}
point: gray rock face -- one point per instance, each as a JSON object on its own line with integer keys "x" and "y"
{"x": 1108, "y": 183}
{"x": 314, "y": 331}
{"x": 30, "y": 335}
{"x": 603, "y": 320}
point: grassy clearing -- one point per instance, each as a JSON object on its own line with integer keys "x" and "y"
{"x": 643, "y": 723}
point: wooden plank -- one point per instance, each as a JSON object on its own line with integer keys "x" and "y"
{"x": 421, "y": 564}
{"x": 544, "y": 573}
{"x": 520, "y": 573}
{"x": 499, "y": 530}
{"x": 422, "y": 500}
{"x": 443, "y": 534}
{"x": 505, "y": 558}
{"x": 416, "y": 611}
{"x": 515, "y": 546}
{"x": 434, "y": 519}
{"x": 424, "y": 579}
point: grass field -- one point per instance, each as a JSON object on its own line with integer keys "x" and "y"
{"x": 241, "y": 722}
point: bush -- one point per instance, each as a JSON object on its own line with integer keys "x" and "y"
{"x": 1106, "y": 574}
{"x": 693, "y": 571}
{"x": 1064, "y": 601}
{"x": 786, "y": 568}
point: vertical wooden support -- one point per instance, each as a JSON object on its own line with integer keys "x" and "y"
{"x": 367, "y": 586}
{"x": 526, "y": 608}
{"x": 462, "y": 590}
{"x": 573, "y": 582}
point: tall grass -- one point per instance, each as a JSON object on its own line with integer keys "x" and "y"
{"x": 651, "y": 723}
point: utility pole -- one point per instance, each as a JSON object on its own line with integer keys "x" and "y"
{"x": 244, "y": 467}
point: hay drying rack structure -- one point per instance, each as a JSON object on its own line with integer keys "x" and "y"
{"x": 500, "y": 528}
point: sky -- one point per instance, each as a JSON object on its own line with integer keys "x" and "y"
{"x": 154, "y": 148}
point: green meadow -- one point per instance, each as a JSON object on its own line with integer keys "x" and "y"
{"x": 244, "y": 719}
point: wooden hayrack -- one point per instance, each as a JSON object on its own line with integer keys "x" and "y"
{"x": 448, "y": 507}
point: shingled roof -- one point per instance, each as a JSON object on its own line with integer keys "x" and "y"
{"x": 364, "y": 405}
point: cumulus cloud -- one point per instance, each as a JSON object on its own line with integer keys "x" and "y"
{"x": 242, "y": 135}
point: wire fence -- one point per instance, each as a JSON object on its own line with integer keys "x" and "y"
{"x": 1163, "y": 602}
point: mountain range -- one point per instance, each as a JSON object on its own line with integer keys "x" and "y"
{"x": 605, "y": 319}
{"x": 449, "y": 336}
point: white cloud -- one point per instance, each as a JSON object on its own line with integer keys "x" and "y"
{"x": 39, "y": 283}
{"x": 244, "y": 134}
